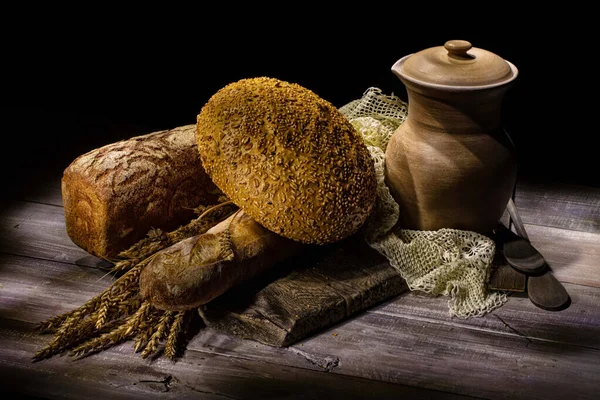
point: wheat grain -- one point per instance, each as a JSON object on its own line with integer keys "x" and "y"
{"x": 174, "y": 332}
{"x": 158, "y": 240}
{"x": 122, "y": 333}
{"x": 159, "y": 334}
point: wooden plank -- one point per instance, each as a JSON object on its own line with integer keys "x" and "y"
{"x": 505, "y": 277}
{"x": 117, "y": 373}
{"x": 502, "y": 275}
{"x": 368, "y": 280}
{"x": 578, "y": 325}
{"x": 418, "y": 344}
{"x": 465, "y": 361}
{"x": 558, "y": 205}
{"x": 573, "y": 256}
{"x": 518, "y": 350}
{"x": 381, "y": 354}
{"x": 33, "y": 290}
{"x": 37, "y": 230}
{"x": 324, "y": 286}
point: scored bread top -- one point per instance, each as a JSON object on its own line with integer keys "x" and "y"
{"x": 288, "y": 158}
{"x": 115, "y": 194}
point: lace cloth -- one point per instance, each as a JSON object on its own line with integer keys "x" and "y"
{"x": 448, "y": 262}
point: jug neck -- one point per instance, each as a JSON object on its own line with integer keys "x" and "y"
{"x": 455, "y": 112}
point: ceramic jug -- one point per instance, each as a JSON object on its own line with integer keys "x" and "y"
{"x": 450, "y": 164}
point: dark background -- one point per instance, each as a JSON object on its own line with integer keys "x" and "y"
{"x": 72, "y": 84}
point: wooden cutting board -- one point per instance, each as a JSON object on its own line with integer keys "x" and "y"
{"x": 296, "y": 299}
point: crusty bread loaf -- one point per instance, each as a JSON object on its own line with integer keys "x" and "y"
{"x": 114, "y": 195}
{"x": 198, "y": 269}
{"x": 288, "y": 158}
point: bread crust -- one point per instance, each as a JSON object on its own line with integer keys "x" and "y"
{"x": 198, "y": 269}
{"x": 289, "y": 158}
{"x": 115, "y": 194}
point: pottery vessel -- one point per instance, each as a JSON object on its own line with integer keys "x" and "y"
{"x": 450, "y": 164}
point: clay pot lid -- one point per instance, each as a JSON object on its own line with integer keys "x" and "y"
{"x": 456, "y": 64}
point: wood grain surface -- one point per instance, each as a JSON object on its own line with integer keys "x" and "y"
{"x": 320, "y": 288}
{"x": 407, "y": 346}
{"x": 505, "y": 277}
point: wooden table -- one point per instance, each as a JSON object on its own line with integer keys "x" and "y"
{"x": 408, "y": 346}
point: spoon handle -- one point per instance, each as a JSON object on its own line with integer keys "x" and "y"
{"x": 516, "y": 219}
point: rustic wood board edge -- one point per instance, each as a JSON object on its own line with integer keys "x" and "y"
{"x": 339, "y": 283}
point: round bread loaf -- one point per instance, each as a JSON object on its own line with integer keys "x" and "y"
{"x": 288, "y": 158}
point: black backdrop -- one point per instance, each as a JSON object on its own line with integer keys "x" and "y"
{"x": 71, "y": 84}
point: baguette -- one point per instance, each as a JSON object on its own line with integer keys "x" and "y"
{"x": 114, "y": 195}
{"x": 198, "y": 269}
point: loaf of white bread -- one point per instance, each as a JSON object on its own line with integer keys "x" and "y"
{"x": 114, "y": 195}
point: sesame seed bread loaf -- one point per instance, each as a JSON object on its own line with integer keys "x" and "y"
{"x": 115, "y": 194}
{"x": 288, "y": 158}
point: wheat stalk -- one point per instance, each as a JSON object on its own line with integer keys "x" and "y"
{"x": 54, "y": 323}
{"x": 112, "y": 303}
{"x": 158, "y": 240}
{"x": 122, "y": 333}
{"x": 140, "y": 251}
{"x": 113, "y": 307}
{"x": 159, "y": 333}
{"x": 146, "y": 329}
{"x": 66, "y": 321}
{"x": 142, "y": 338}
{"x": 203, "y": 223}
{"x": 154, "y": 237}
{"x": 66, "y": 337}
{"x": 72, "y": 334}
{"x": 102, "y": 314}
{"x": 174, "y": 332}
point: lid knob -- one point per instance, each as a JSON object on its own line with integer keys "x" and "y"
{"x": 458, "y": 48}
